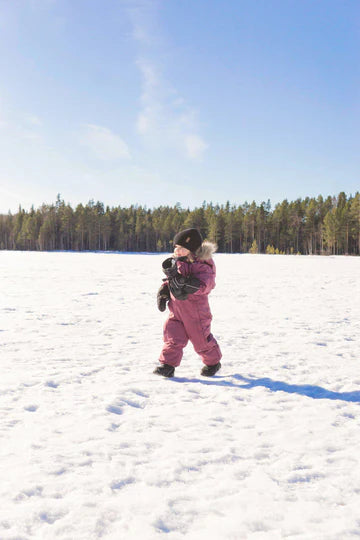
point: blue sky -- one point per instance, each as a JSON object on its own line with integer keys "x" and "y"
{"x": 163, "y": 101}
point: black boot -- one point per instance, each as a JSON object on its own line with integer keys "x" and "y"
{"x": 209, "y": 371}
{"x": 165, "y": 370}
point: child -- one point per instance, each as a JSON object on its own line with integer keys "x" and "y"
{"x": 190, "y": 278}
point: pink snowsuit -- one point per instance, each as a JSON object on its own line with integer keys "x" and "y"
{"x": 190, "y": 319}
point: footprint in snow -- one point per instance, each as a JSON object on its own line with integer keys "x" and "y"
{"x": 120, "y": 484}
{"x": 50, "y": 517}
{"x": 51, "y": 384}
{"x": 36, "y": 491}
{"x": 31, "y": 408}
{"x": 115, "y": 409}
{"x": 113, "y": 426}
{"x": 305, "y": 478}
{"x": 132, "y": 398}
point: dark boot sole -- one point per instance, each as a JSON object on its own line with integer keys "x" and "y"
{"x": 211, "y": 373}
{"x": 167, "y": 374}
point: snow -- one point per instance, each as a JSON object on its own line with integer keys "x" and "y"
{"x": 93, "y": 445}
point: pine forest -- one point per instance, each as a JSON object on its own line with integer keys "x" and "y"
{"x": 322, "y": 226}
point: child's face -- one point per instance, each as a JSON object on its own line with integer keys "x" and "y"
{"x": 180, "y": 251}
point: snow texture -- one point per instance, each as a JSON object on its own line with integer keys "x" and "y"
{"x": 93, "y": 445}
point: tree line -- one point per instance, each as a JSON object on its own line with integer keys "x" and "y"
{"x": 306, "y": 226}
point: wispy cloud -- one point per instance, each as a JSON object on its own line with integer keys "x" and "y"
{"x": 165, "y": 118}
{"x": 151, "y": 109}
{"x": 104, "y": 144}
{"x": 195, "y": 146}
{"x": 141, "y": 13}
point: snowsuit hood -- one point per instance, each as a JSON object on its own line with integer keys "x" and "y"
{"x": 206, "y": 251}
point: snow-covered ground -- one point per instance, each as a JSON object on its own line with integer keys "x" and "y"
{"x": 93, "y": 445}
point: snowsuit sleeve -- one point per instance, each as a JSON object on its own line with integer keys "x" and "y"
{"x": 203, "y": 270}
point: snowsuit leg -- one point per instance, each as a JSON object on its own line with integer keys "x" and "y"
{"x": 175, "y": 339}
{"x": 188, "y": 320}
{"x": 203, "y": 341}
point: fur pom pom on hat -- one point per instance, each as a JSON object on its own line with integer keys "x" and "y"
{"x": 190, "y": 239}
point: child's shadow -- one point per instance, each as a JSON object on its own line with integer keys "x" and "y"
{"x": 314, "y": 392}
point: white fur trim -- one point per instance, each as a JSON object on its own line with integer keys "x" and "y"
{"x": 206, "y": 250}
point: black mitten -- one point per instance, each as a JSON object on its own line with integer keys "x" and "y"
{"x": 169, "y": 267}
{"x": 176, "y": 285}
{"x": 163, "y": 296}
{"x": 181, "y": 286}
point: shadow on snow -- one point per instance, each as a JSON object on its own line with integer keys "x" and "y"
{"x": 314, "y": 392}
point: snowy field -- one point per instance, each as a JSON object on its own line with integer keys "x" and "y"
{"x": 93, "y": 445}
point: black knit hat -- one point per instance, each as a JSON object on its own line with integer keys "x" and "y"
{"x": 190, "y": 239}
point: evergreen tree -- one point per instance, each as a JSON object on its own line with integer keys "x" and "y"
{"x": 330, "y": 231}
{"x": 355, "y": 223}
{"x": 254, "y": 247}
